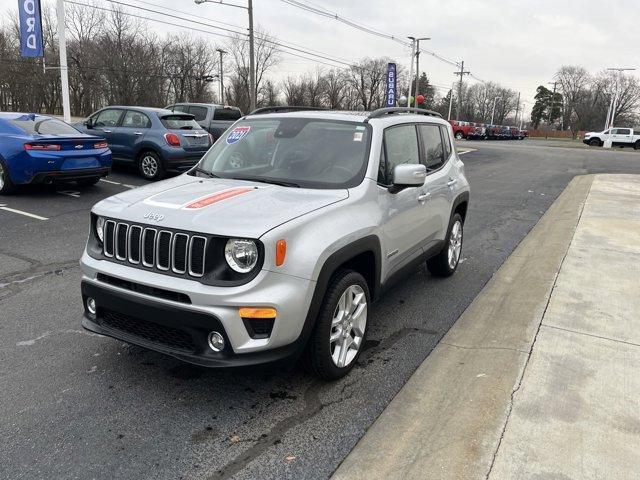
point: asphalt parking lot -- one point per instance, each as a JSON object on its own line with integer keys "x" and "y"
{"x": 77, "y": 405}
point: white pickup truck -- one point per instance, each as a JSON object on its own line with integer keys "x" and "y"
{"x": 620, "y": 137}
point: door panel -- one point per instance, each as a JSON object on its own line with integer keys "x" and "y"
{"x": 128, "y": 136}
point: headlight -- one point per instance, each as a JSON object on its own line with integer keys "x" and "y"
{"x": 241, "y": 255}
{"x": 100, "y": 228}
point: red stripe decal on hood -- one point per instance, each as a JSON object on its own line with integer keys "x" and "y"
{"x": 218, "y": 197}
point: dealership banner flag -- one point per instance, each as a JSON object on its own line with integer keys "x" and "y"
{"x": 30, "y": 28}
{"x": 391, "y": 85}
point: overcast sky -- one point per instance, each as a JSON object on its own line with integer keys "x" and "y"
{"x": 519, "y": 44}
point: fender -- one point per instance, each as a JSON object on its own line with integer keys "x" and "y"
{"x": 370, "y": 243}
{"x": 463, "y": 197}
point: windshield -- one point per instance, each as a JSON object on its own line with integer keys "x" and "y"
{"x": 180, "y": 122}
{"x": 311, "y": 153}
{"x": 44, "y": 126}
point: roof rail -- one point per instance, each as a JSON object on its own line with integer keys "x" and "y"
{"x": 283, "y": 109}
{"x": 381, "y": 112}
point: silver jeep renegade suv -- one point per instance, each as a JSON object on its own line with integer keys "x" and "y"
{"x": 277, "y": 242}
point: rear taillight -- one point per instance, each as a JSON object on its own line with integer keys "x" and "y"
{"x": 100, "y": 145}
{"x": 172, "y": 139}
{"x": 49, "y": 147}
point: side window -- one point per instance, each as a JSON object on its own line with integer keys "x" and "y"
{"x": 227, "y": 114}
{"x": 446, "y": 140}
{"x": 432, "y": 145}
{"x": 136, "y": 120}
{"x": 181, "y": 108}
{"x": 199, "y": 112}
{"x": 108, "y": 118}
{"x": 624, "y": 131}
{"x": 401, "y": 147}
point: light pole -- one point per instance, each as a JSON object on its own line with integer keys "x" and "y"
{"x": 413, "y": 50}
{"x": 453, "y": 85}
{"x": 611, "y": 113}
{"x": 252, "y": 63}
{"x": 493, "y": 111}
{"x": 418, "y": 68}
{"x": 64, "y": 70}
{"x": 221, "y": 52}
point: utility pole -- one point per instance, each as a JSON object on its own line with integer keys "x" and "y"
{"x": 462, "y": 72}
{"x": 413, "y": 52}
{"x": 221, "y": 52}
{"x": 252, "y": 61}
{"x": 64, "y": 70}
{"x": 517, "y": 108}
{"x": 418, "y": 68}
{"x": 493, "y": 111}
{"x": 553, "y": 102}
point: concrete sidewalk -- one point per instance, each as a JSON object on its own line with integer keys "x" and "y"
{"x": 539, "y": 377}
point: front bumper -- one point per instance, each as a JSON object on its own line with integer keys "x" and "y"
{"x": 193, "y": 310}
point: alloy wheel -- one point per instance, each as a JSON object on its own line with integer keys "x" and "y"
{"x": 455, "y": 244}
{"x": 348, "y": 326}
{"x": 149, "y": 166}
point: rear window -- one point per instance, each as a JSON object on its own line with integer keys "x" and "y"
{"x": 44, "y": 126}
{"x": 199, "y": 112}
{"x": 176, "y": 122}
{"x": 226, "y": 114}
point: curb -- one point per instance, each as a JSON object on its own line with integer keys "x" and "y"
{"x": 447, "y": 421}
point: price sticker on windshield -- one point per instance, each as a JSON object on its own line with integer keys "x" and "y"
{"x": 238, "y": 134}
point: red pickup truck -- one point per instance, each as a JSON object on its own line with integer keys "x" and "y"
{"x": 462, "y": 129}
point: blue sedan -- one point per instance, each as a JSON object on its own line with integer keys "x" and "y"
{"x": 155, "y": 140}
{"x": 41, "y": 149}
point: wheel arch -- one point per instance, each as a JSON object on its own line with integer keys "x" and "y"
{"x": 460, "y": 205}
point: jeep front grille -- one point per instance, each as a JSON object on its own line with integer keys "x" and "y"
{"x": 161, "y": 249}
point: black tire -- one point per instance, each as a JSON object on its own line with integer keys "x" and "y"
{"x": 7, "y": 187}
{"x": 150, "y": 166}
{"x": 459, "y": 135}
{"x": 318, "y": 352}
{"x": 594, "y": 142}
{"x": 88, "y": 182}
{"x": 636, "y": 146}
{"x": 440, "y": 265}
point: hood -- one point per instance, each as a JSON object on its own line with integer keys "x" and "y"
{"x": 217, "y": 206}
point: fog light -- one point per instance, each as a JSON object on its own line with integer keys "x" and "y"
{"x": 91, "y": 305}
{"x": 216, "y": 342}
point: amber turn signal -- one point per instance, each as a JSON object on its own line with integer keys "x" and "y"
{"x": 251, "y": 312}
{"x": 281, "y": 252}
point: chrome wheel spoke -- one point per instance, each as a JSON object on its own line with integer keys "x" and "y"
{"x": 348, "y": 326}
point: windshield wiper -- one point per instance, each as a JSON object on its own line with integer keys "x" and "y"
{"x": 282, "y": 183}
{"x": 206, "y": 172}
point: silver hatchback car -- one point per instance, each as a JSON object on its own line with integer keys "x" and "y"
{"x": 275, "y": 245}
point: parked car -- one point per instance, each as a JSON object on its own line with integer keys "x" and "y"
{"x": 620, "y": 137}
{"x": 514, "y": 133}
{"x": 41, "y": 149}
{"x": 462, "y": 129}
{"x": 480, "y": 131}
{"x": 523, "y": 134}
{"x": 215, "y": 119}
{"x": 156, "y": 140}
{"x": 277, "y": 242}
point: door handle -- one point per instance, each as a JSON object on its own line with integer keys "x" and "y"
{"x": 452, "y": 182}
{"x": 106, "y": 131}
{"x": 424, "y": 197}
{"x": 137, "y": 133}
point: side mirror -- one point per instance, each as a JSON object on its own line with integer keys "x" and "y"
{"x": 408, "y": 175}
{"x": 88, "y": 123}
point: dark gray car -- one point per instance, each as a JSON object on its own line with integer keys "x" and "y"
{"x": 215, "y": 119}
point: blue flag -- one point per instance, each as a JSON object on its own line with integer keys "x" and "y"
{"x": 391, "y": 85}
{"x": 30, "y": 28}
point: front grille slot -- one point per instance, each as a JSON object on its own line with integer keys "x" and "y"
{"x": 178, "y": 252}
{"x": 145, "y": 289}
{"x": 154, "y": 332}
{"x": 121, "y": 241}
{"x": 163, "y": 252}
{"x": 109, "y": 232}
{"x": 135, "y": 236}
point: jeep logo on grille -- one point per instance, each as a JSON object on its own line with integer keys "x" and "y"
{"x": 156, "y": 217}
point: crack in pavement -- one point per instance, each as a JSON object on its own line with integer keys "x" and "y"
{"x": 485, "y": 348}
{"x": 38, "y": 272}
{"x": 535, "y": 339}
